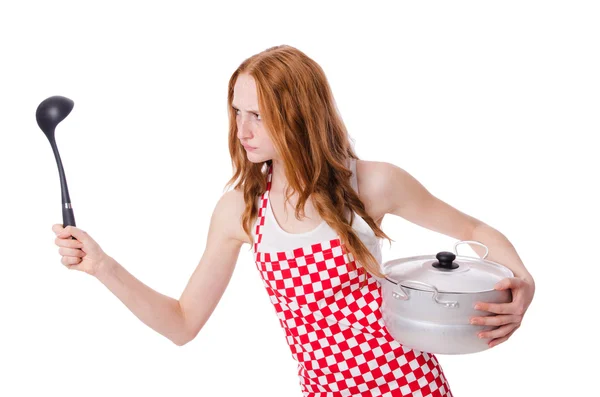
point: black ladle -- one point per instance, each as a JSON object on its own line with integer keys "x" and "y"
{"x": 49, "y": 113}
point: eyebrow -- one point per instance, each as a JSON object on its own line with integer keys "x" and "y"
{"x": 251, "y": 111}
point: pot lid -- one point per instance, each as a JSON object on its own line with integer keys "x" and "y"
{"x": 446, "y": 272}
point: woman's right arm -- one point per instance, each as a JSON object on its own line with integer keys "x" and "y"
{"x": 181, "y": 320}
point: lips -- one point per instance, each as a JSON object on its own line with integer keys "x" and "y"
{"x": 248, "y": 147}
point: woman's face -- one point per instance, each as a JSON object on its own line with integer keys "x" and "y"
{"x": 251, "y": 131}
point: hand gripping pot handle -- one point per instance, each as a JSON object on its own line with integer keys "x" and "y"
{"x": 400, "y": 293}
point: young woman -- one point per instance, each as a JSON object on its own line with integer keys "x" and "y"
{"x": 291, "y": 152}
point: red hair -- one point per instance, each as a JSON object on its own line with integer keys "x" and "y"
{"x": 298, "y": 110}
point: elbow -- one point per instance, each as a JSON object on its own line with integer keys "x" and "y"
{"x": 181, "y": 340}
{"x": 184, "y": 338}
{"x": 187, "y": 331}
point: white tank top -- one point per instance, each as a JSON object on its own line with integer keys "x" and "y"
{"x": 275, "y": 239}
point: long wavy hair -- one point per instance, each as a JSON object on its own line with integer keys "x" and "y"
{"x": 298, "y": 109}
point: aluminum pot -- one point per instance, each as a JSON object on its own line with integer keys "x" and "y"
{"x": 428, "y": 301}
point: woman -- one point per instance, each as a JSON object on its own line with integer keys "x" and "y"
{"x": 291, "y": 151}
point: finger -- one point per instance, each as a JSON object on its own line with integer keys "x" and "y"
{"x": 497, "y": 308}
{"x": 70, "y": 261}
{"x": 68, "y": 243}
{"x": 497, "y": 320}
{"x": 75, "y": 232}
{"x": 497, "y": 341}
{"x": 498, "y": 332}
{"x": 71, "y": 252}
{"x": 516, "y": 307}
{"x": 508, "y": 283}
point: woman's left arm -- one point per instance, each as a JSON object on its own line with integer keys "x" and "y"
{"x": 395, "y": 191}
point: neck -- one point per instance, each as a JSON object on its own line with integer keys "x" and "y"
{"x": 278, "y": 178}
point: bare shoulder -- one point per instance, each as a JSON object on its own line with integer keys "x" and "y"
{"x": 228, "y": 215}
{"x": 376, "y": 180}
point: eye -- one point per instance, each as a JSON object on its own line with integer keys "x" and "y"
{"x": 257, "y": 116}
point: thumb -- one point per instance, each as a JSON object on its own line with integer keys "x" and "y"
{"x": 57, "y": 228}
{"x": 505, "y": 284}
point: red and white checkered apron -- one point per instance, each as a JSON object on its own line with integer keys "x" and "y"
{"x": 335, "y": 329}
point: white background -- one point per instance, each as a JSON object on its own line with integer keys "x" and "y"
{"x": 493, "y": 106}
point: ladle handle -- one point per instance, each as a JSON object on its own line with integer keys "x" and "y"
{"x": 68, "y": 216}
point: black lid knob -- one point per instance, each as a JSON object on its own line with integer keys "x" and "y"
{"x": 445, "y": 261}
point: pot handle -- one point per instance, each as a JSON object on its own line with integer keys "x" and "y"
{"x": 400, "y": 293}
{"x": 472, "y": 242}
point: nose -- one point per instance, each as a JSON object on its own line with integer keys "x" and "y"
{"x": 244, "y": 130}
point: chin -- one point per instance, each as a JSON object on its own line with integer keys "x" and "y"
{"x": 256, "y": 158}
